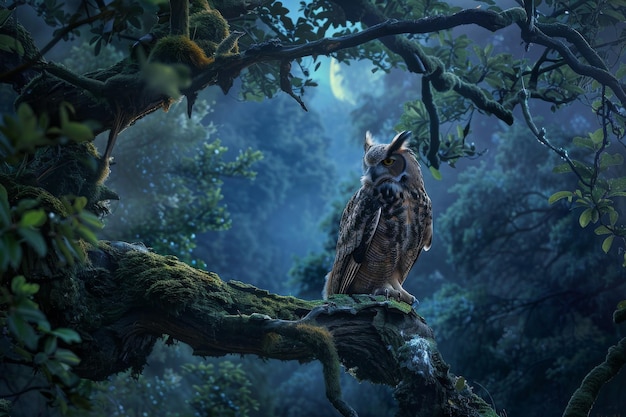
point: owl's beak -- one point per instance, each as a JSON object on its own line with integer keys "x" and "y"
{"x": 373, "y": 173}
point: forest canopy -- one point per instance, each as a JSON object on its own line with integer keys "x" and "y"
{"x": 123, "y": 209}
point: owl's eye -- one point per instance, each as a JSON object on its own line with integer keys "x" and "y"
{"x": 388, "y": 162}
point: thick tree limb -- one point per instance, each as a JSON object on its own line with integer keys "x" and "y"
{"x": 582, "y": 400}
{"x": 125, "y": 84}
{"x": 139, "y": 101}
{"x": 126, "y": 298}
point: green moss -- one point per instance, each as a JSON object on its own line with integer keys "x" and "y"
{"x": 261, "y": 301}
{"x": 177, "y": 49}
{"x": 209, "y": 47}
{"x": 198, "y": 6}
{"x": 166, "y": 283}
{"x": 73, "y": 170}
{"x": 209, "y": 26}
{"x": 270, "y": 341}
{"x": 5, "y": 408}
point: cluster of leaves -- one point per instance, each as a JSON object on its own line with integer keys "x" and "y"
{"x": 172, "y": 200}
{"x": 39, "y": 233}
{"x": 126, "y": 395}
{"x": 34, "y": 344}
{"x": 27, "y": 229}
{"x": 533, "y": 299}
{"x": 601, "y": 184}
{"x": 169, "y": 201}
{"x": 24, "y": 133}
{"x": 222, "y": 390}
{"x": 178, "y": 385}
{"x": 33, "y": 225}
{"x": 273, "y": 22}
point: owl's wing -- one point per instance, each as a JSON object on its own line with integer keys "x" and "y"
{"x": 358, "y": 225}
{"x": 423, "y": 230}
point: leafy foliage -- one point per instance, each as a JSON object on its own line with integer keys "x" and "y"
{"x": 274, "y": 217}
{"x": 173, "y": 199}
{"x": 533, "y": 299}
{"x": 39, "y": 233}
{"x": 34, "y": 344}
{"x": 222, "y": 390}
{"x": 600, "y": 186}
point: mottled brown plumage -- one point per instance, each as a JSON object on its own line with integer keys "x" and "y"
{"x": 384, "y": 226}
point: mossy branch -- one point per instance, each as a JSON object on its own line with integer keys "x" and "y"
{"x": 433, "y": 123}
{"x": 126, "y": 297}
{"x": 583, "y": 398}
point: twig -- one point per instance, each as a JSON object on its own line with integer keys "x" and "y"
{"x": 540, "y": 134}
{"x": 60, "y": 35}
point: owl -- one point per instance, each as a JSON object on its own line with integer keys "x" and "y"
{"x": 384, "y": 226}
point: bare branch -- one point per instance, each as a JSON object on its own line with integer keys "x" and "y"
{"x": 542, "y": 36}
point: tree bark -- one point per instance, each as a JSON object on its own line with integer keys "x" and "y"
{"x": 125, "y": 298}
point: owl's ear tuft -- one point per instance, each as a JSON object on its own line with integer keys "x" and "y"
{"x": 398, "y": 141}
{"x": 369, "y": 141}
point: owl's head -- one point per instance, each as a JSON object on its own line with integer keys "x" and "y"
{"x": 389, "y": 162}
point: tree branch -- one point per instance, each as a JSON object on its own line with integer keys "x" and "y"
{"x": 541, "y": 35}
{"x": 583, "y": 398}
{"x": 125, "y": 298}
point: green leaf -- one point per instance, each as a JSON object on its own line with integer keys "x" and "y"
{"x": 602, "y": 230}
{"x": 87, "y": 234}
{"x": 63, "y": 250}
{"x": 23, "y": 331}
{"x": 5, "y": 208}
{"x": 562, "y": 168}
{"x": 597, "y": 136}
{"x": 607, "y": 160}
{"x": 10, "y": 44}
{"x": 90, "y": 220}
{"x": 585, "y": 217}
{"x": 4, "y": 16}
{"x": 67, "y": 335}
{"x": 584, "y": 142}
{"x": 31, "y": 314}
{"x": 606, "y": 245}
{"x": 40, "y": 358}
{"x": 34, "y": 239}
{"x": 80, "y": 203}
{"x": 67, "y": 356}
{"x": 559, "y": 195}
{"x": 78, "y": 132}
{"x": 33, "y": 218}
{"x": 435, "y": 172}
{"x": 17, "y": 284}
{"x": 77, "y": 250}
{"x": 13, "y": 251}
{"x": 50, "y": 345}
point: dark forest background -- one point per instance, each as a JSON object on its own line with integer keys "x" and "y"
{"x": 519, "y": 295}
